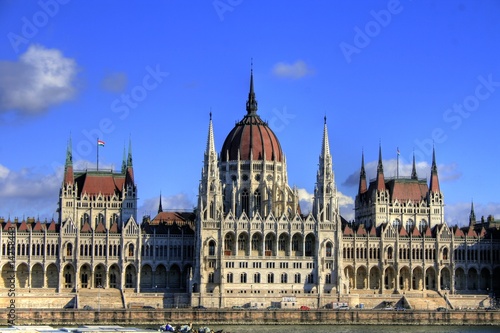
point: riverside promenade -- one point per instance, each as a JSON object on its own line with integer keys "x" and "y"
{"x": 269, "y": 317}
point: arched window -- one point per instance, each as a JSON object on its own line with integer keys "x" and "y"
{"x": 282, "y": 243}
{"x": 328, "y": 249}
{"x": 131, "y": 250}
{"x": 69, "y": 249}
{"x": 284, "y": 278}
{"x": 228, "y": 242}
{"x": 242, "y": 242}
{"x": 295, "y": 243}
{"x": 257, "y": 201}
{"x": 422, "y": 225}
{"x": 445, "y": 253}
{"x": 244, "y": 201}
{"x": 409, "y": 224}
{"x": 211, "y": 248}
{"x": 389, "y": 253}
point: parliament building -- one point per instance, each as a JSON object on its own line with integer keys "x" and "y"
{"x": 247, "y": 242}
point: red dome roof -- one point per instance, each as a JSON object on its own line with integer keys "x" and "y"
{"x": 252, "y": 137}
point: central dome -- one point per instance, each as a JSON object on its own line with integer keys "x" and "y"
{"x": 251, "y": 137}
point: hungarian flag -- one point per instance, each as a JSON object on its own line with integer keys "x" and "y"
{"x": 398, "y": 151}
{"x": 100, "y": 143}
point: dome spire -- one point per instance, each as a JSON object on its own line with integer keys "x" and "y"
{"x": 252, "y": 102}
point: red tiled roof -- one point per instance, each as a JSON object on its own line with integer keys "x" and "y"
{"x": 361, "y": 231}
{"x": 171, "y": 217}
{"x": 251, "y": 137}
{"x": 373, "y": 231}
{"x": 52, "y": 226}
{"x": 348, "y": 231}
{"x": 68, "y": 175}
{"x": 405, "y": 190}
{"x": 7, "y": 225}
{"x": 415, "y": 233}
{"x": 23, "y": 226}
{"x": 39, "y": 226}
{"x": 100, "y": 183}
{"x": 428, "y": 232}
{"x": 459, "y": 233}
{"x": 114, "y": 228}
{"x": 471, "y": 232}
{"x": 100, "y": 227}
{"x": 402, "y": 232}
{"x": 86, "y": 227}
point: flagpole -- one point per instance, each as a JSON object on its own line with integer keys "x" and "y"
{"x": 97, "y": 154}
{"x": 397, "y": 164}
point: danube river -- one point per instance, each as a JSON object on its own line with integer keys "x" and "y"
{"x": 353, "y": 329}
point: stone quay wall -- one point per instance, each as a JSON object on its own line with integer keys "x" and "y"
{"x": 231, "y": 317}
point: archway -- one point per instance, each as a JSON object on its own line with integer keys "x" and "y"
{"x": 146, "y": 277}
{"x": 361, "y": 278}
{"x": 37, "y": 276}
{"x": 52, "y": 276}
{"x": 404, "y": 278}
{"x": 85, "y": 276}
{"x": 430, "y": 279}
{"x": 22, "y": 273}
{"x": 460, "y": 279}
{"x": 418, "y": 279}
{"x": 374, "y": 278}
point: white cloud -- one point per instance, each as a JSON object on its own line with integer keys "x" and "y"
{"x": 40, "y": 79}
{"x": 458, "y": 213}
{"x": 446, "y": 172}
{"x": 346, "y": 203}
{"x": 28, "y": 193}
{"x": 296, "y": 70}
{"x": 114, "y": 82}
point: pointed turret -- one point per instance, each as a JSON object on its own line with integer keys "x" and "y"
{"x": 129, "y": 170}
{"x": 362, "y": 176}
{"x": 210, "y": 139}
{"x": 124, "y": 160}
{"x": 380, "y": 171}
{"x": 434, "y": 186}
{"x": 472, "y": 215}
{"x": 210, "y": 195}
{"x": 129, "y": 158}
{"x": 251, "y": 102}
{"x": 160, "y": 208}
{"x": 414, "y": 169}
{"x": 325, "y": 146}
{"x": 325, "y": 199}
{"x": 68, "y": 167}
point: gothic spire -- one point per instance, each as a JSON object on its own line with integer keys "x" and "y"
{"x": 252, "y": 102}
{"x": 124, "y": 160}
{"x": 380, "y": 171}
{"x": 210, "y": 139}
{"x": 69, "y": 153}
{"x": 68, "y": 167}
{"x": 414, "y": 169}
{"x": 472, "y": 215}
{"x": 362, "y": 175}
{"x": 434, "y": 186}
{"x": 160, "y": 208}
{"x": 129, "y": 159}
{"x": 325, "y": 147}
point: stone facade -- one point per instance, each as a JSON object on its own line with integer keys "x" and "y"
{"x": 248, "y": 242}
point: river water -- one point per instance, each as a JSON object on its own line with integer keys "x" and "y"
{"x": 354, "y": 329}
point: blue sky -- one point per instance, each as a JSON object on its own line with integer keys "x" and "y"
{"x": 405, "y": 74}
